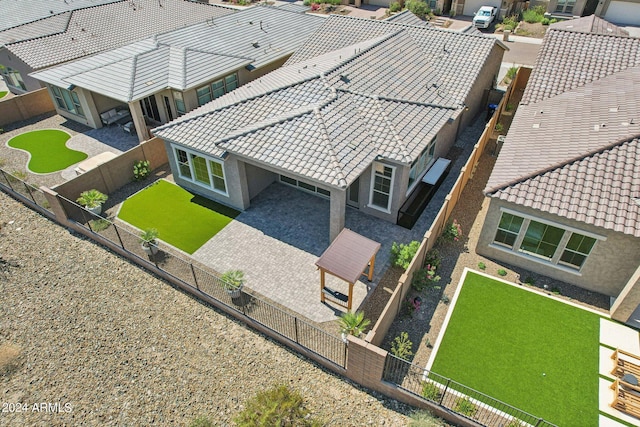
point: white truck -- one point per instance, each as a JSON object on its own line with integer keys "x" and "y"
{"x": 485, "y": 16}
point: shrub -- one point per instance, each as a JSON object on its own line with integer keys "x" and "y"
{"x": 530, "y": 281}
{"x": 277, "y": 406}
{"x": 99, "y": 224}
{"x": 424, "y": 278}
{"x": 433, "y": 258}
{"x": 556, "y": 291}
{"x": 482, "y": 265}
{"x": 401, "y": 254}
{"x": 21, "y": 175}
{"x": 431, "y": 391}
{"x": 394, "y": 6}
{"x": 502, "y": 272}
{"x": 445, "y": 299}
{"x": 418, "y": 8}
{"x": 453, "y": 231}
{"x": 401, "y": 346}
{"x": 92, "y": 198}
{"x": 412, "y": 305}
{"x": 353, "y": 323}
{"x": 545, "y": 21}
{"x": 532, "y": 16}
{"x": 141, "y": 170}
{"x": 465, "y": 407}
{"x": 307, "y": 2}
{"x": 499, "y": 127}
{"x": 510, "y": 22}
{"x": 553, "y": 21}
{"x": 511, "y": 72}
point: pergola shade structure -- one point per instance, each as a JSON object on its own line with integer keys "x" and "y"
{"x": 347, "y": 258}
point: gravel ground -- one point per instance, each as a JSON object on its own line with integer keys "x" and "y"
{"x": 122, "y": 347}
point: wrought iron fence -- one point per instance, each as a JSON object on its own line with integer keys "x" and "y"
{"x": 33, "y": 196}
{"x": 456, "y": 397}
{"x": 251, "y": 305}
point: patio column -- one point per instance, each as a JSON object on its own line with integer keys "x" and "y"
{"x": 138, "y": 121}
{"x": 336, "y": 212}
{"x": 628, "y": 300}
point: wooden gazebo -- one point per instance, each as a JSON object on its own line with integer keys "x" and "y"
{"x": 347, "y": 258}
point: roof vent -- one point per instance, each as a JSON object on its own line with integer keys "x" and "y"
{"x": 614, "y": 109}
{"x": 596, "y": 128}
{"x": 536, "y": 126}
{"x": 344, "y": 78}
{"x": 255, "y": 44}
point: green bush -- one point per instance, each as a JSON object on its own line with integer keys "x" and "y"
{"x": 424, "y": 418}
{"x": 424, "y": 278}
{"x": 277, "y": 406}
{"x": 353, "y": 323}
{"x": 394, "y": 6}
{"x": 433, "y": 258}
{"x": 401, "y": 346}
{"x": 465, "y": 407}
{"x": 510, "y": 22}
{"x": 545, "y": 21}
{"x": 502, "y": 272}
{"x": 482, "y": 265}
{"x": 401, "y": 254}
{"x": 141, "y": 169}
{"x": 418, "y": 8}
{"x": 511, "y": 72}
{"x": 532, "y": 16}
{"x": 306, "y": 2}
{"x": 553, "y": 21}
{"x": 431, "y": 391}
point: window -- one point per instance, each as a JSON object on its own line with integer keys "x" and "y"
{"x": 577, "y": 250}
{"x": 179, "y": 101}
{"x": 13, "y": 78}
{"x": 201, "y": 170}
{"x": 541, "y": 240}
{"x": 217, "y": 89}
{"x": 217, "y": 176}
{"x": 565, "y": 6}
{"x": 508, "y": 229}
{"x": 381, "y": 184}
{"x": 183, "y": 163}
{"x": 304, "y": 186}
{"x": 549, "y": 242}
{"x": 150, "y": 108}
{"x": 67, "y": 100}
{"x": 420, "y": 166}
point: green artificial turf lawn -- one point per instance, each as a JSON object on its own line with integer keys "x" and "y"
{"x": 183, "y": 219}
{"x": 501, "y": 339}
{"x": 3, "y": 93}
{"x": 48, "y": 150}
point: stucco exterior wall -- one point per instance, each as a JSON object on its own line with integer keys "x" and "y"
{"x": 607, "y": 269}
{"x": 91, "y": 119}
{"x": 258, "y": 179}
{"x": 10, "y": 60}
{"x": 477, "y": 99}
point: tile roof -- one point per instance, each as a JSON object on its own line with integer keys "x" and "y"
{"x": 565, "y": 151}
{"x": 96, "y": 29}
{"x": 43, "y": 27}
{"x": 590, "y": 24}
{"x": 185, "y": 58}
{"x": 19, "y": 12}
{"x": 328, "y": 118}
{"x": 293, "y": 7}
{"x": 407, "y": 17}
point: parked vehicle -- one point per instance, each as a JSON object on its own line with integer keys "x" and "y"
{"x": 485, "y": 16}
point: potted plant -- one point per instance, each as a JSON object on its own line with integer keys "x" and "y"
{"x": 92, "y": 200}
{"x": 352, "y": 324}
{"x": 232, "y": 282}
{"x": 148, "y": 240}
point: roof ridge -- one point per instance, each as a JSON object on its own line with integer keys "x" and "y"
{"x": 590, "y": 33}
{"x": 335, "y": 164}
{"x": 400, "y": 100}
{"x": 561, "y": 164}
{"x": 131, "y": 78}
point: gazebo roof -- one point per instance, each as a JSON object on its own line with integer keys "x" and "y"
{"x": 348, "y": 255}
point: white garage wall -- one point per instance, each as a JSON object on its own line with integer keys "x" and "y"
{"x": 622, "y": 12}
{"x": 472, "y": 6}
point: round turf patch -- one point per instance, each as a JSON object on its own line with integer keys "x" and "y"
{"x": 48, "y": 149}
{"x": 3, "y": 93}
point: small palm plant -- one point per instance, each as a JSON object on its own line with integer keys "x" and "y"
{"x": 92, "y": 198}
{"x": 232, "y": 282}
{"x": 353, "y": 323}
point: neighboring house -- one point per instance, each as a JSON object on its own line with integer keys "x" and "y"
{"x": 19, "y": 12}
{"x": 406, "y": 17}
{"x": 621, "y": 12}
{"x": 74, "y": 34}
{"x": 163, "y": 77}
{"x": 357, "y": 115}
{"x": 565, "y": 188}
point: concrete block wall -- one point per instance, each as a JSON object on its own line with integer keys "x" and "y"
{"x": 23, "y": 107}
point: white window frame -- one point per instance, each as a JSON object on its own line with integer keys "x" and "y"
{"x": 427, "y": 158}
{"x": 565, "y": 6}
{"x": 224, "y": 83}
{"x": 555, "y": 260}
{"x": 64, "y": 104}
{"x": 306, "y": 187}
{"x": 208, "y": 160}
{"x": 13, "y": 78}
{"x": 178, "y": 101}
{"x": 391, "y": 182}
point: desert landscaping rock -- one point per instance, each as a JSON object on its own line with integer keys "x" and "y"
{"x": 122, "y": 347}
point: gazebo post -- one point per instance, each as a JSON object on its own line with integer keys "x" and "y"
{"x": 350, "y": 297}
{"x": 372, "y": 264}
{"x": 322, "y": 285}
